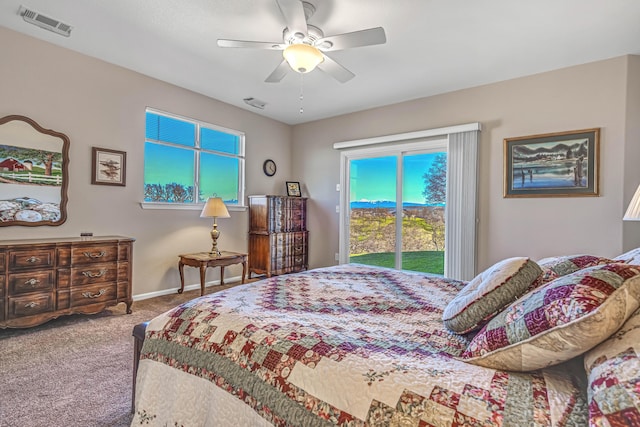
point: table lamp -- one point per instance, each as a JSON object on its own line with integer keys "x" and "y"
{"x": 214, "y": 208}
{"x": 633, "y": 210}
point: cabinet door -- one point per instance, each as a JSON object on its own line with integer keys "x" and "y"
{"x": 258, "y": 215}
{"x": 259, "y": 253}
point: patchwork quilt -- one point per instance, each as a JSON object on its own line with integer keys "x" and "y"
{"x": 348, "y": 345}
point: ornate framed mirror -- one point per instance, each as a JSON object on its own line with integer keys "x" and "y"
{"x": 34, "y": 173}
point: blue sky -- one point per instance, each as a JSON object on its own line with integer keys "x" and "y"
{"x": 165, "y": 164}
{"x": 374, "y": 178}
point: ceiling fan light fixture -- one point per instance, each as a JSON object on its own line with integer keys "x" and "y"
{"x": 302, "y": 57}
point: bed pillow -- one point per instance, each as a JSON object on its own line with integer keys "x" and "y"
{"x": 630, "y": 257}
{"x": 558, "y": 321}
{"x": 613, "y": 370}
{"x": 488, "y": 293}
{"x": 558, "y": 266}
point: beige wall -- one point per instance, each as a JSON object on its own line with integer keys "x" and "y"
{"x": 98, "y": 104}
{"x": 631, "y": 229}
{"x": 102, "y": 105}
{"x": 586, "y": 96}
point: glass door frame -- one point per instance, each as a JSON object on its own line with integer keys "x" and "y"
{"x": 431, "y": 145}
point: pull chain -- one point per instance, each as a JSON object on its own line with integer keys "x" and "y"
{"x": 301, "y": 92}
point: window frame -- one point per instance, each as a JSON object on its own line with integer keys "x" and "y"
{"x": 197, "y": 151}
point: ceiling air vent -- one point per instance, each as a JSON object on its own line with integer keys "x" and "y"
{"x": 42, "y": 21}
{"x": 256, "y": 103}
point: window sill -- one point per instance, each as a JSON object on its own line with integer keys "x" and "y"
{"x": 186, "y": 207}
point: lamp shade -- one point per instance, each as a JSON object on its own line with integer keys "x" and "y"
{"x": 302, "y": 57}
{"x": 215, "y": 208}
{"x": 633, "y": 211}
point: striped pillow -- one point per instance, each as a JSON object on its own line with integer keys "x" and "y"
{"x": 488, "y": 293}
{"x": 558, "y": 321}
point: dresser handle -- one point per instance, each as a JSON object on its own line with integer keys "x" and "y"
{"x": 33, "y": 281}
{"x": 33, "y": 259}
{"x": 95, "y": 255}
{"x": 90, "y": 295}
{"x": 31, "y": 305}
{"x": 92, "y": 275}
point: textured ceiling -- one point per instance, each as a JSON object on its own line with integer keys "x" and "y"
{"x": 433, "y": 46}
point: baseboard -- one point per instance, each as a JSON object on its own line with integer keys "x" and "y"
{"x": 192, "y": 287}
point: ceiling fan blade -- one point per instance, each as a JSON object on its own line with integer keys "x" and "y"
{"x": 294, "y": 17}
{"x": 369, "y": 37}
{"x": 250, "y": 44}
{"x": 335, "y": 70}
{"x": 279, "y": 73}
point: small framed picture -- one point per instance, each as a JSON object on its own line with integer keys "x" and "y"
{"x": 293, "y": 189}
{"x": 108, "y": 167}
{"x": 560, "y": 164}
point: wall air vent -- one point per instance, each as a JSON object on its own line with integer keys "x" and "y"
{"x": 43, "y": 21}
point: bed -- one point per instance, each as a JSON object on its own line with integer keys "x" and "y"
{"x": 355, "y": 345}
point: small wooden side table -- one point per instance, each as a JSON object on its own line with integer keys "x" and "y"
{"x": 208, "y": 259}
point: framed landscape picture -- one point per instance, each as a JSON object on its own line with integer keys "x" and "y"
{"x": 108, "y": 167}
{"x": 560, "y": 164}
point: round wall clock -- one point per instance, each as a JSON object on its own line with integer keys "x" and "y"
{"x": 269, "y": 167}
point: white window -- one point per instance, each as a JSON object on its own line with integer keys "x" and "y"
{"x": 187, "y": 161}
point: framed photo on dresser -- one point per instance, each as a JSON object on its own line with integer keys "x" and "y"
{"x": 293, "y": 189}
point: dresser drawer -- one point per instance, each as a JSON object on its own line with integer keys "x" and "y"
{"x": 96, "y": 273}
{"x": 298, "y": 249}
{"x": 104, "y": 292}
{"x": 20, "y": 283}
{"x": 291, "y": 261}
{"x": 28, "y": 305}
{"x": 94, "y": 254}
{"x": 2, "y": 258}
{"x": 19, "y": 260}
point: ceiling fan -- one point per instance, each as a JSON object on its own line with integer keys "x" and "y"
{"x": 304, "y": 45}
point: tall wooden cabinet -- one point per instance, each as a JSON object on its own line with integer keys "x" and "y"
{"x": 41, "y": 279}
{"x": 278, "y": 236}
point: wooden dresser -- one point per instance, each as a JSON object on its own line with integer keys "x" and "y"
{"x": 41, "y": 279}
{"x": 278, "y": 237}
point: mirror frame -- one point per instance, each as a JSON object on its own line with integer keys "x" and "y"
{"x": 64, "y": 166}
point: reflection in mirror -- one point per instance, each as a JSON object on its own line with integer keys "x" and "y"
{"x": 33, "y": 173}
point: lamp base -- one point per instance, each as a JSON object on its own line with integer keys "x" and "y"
{"x": 214, "y": 237}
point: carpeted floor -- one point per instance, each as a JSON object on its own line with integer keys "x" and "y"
{"x": 75, "y": 370}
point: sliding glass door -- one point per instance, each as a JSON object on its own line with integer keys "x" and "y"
{"x": 396, "y": 203}
{"x": 372, "y": 224}
{"x": 424, "y": 189}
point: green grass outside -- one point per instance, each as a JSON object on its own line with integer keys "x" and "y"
{"x": 424, "y": 261}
